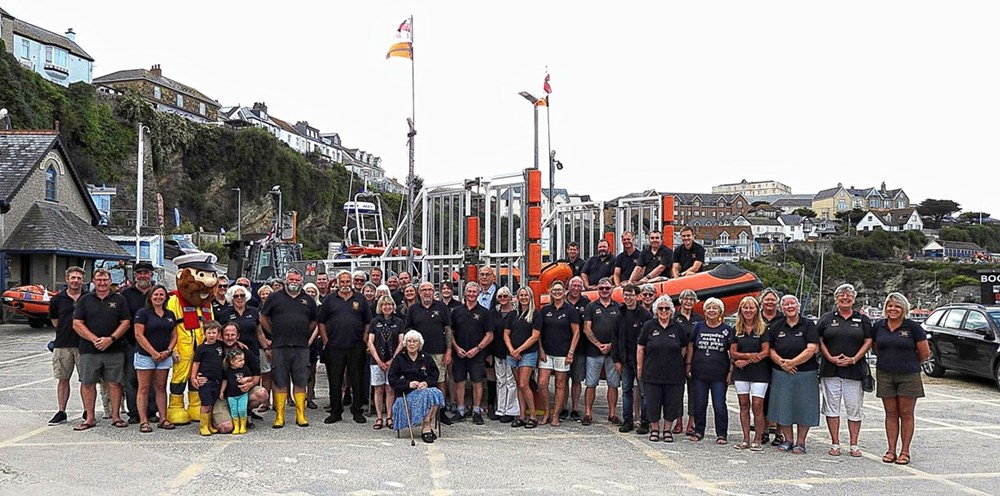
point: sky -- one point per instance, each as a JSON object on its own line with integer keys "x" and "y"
{"x": 673, "y": 96}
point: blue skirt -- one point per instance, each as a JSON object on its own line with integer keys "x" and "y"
{"x": 420, "y": 402}
{"x": 794, "y": 398}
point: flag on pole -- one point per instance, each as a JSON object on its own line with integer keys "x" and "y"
{"x": 404, "y": 29}
{"x": 402, "y": 49}
{"x": 545, "y": 85}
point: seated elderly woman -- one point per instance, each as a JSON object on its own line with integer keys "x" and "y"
{"x": 413, "y": 375}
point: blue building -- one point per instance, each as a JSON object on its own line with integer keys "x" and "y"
{"x": 102, "y": 200}
{"x": 57, "y": 58}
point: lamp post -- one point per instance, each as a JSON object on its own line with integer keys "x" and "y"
{"x": 534, "y": 103}
{"x": 239, "y": 213}
{"x": 139, "y": 193}
{"x": 276, "y": 191}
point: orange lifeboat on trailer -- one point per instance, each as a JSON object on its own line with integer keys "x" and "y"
{"x": 31, "y": 301}
{"x": 727, "y": 282}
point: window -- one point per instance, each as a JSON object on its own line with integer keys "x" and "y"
{"x": 841, "y": 205}
{"x": 26, "y": 46}
{"x": 180, "y": 100}
{"x": 724, "y": 237}
{"x": 60, "y": 57}
{"x": 157, "y": 92}
{"x": 48, "y": 55}
{"x": 50, "y": 183}
{"x": 201, "y": 108}
{"x": 976, "y": 322}
{"x": 954, "y": 319}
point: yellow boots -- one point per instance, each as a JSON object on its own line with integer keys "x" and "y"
{"x": 300, "y": 410}
{"x": 240, "y": 425}
{"x": 206, "y": 425}
{"x": 279, "y": 409}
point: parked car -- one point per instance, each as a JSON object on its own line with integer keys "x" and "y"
{"x": 177, "y": 247}
{"x": 964, "y": 337}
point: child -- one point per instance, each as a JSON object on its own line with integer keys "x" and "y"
{"x": 207, "y": 364}
{"x": 236, "y": 372}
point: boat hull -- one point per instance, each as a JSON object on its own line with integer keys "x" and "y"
{"x": 29, "y": 301}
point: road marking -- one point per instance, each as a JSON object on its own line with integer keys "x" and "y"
{"x": 12, "y": 360}
{"x": 959, "y": 399}
{"x": 8, "y": 388}
{"x": 14, "y": 440}
{"x": 184, "y": 477}
{"x": 438, "y": 471}
{"x": 970, "y": 430}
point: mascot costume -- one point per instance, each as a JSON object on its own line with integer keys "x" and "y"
{"x": 191, "y": 304}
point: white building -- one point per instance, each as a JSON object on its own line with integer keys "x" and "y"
{"x": 900, "y": 219}
{"x": 753, "y": 188}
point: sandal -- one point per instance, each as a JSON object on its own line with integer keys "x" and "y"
{"x": 678, "y": 428}
{"x": 779, "y": 439}
{"x": 121, "y": 424}
{"x": 689, "y": 432}
{"x": 518, "y": 423}
{"x": 531, "y": 424}
{"x": 756, "y": 447}
{"x": 799, "y": 449}
{"x": 614, "y": 420}
{"x": 544, "y": 421}
{"x": 785, "y": 446}
{"x": 165, "y": 425}
{"x": 695, "y": 437}
{"x": 889, "y": 457}
{"x": 587, "y": 420}
{"x": 378, "y": 424}
{"x": 668, "y": 437}
{"x": 145, "y": 427}
{"x": 834, "y": 450}
{"x": 721, "y": 441}
{"x": 654, "y": 437}
{"x": 903, "y": 459}
{"x": 84, "y": 426}
{"x": 388, "y": 423}
{"x": 742, "y": 446}
{"x": 855, "y": 451}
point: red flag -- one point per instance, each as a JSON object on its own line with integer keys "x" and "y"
{"x": 404, "y": 27}
{"x": 546, "y": 86}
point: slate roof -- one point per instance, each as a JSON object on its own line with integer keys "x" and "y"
{"x": 827, "y": 193}
{"x": 54, "y": 229}
{"x": 49, "y": 38}
{"x": 897, "y": 216}
{"x": 144, "y": 74}
{"x": 21, "y": 151}
{"x": 792, "y": 202}
{"x": 960, "y": 245}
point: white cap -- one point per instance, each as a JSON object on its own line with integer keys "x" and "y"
{"x": 200, "y": 261}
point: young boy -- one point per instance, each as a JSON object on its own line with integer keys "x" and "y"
{"x": 236, "y": 372}
{"x": 208, "y": 360}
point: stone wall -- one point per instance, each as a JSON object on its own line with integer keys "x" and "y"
{"x": 168, "y": 97}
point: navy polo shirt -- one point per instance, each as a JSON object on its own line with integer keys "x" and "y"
{"x": 157, "y": 329}
{"x": 649, "y": 261}
{"x": 627, "y": 262}
{"x": 61, "y": 308}
{"x": 247, "y": 323}
{"x": 345, "y": 320}
{"x": 603, "y": 320}
{"x": 102, "y": 316}
{"x": 597, "y": 268}
{"x": 557, "y": 331}
{"x": 897, "y": 349}
{"x": 843, "y": 336}
{"x": 291, "y": 318}
{"x": 687, "y": 257}
{"x": 430, "y": 322}
{"x": 663, "y": 352}
{"x": 471, "y": 326}
{"x": 788, "y": 341}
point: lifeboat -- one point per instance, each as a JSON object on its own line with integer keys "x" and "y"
{"x": 727, "y": 282}
{"x": 31, "y": 301}
{"x": 378, "y": 251}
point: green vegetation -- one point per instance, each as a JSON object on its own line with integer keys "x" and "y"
{"x": 880, "y": 245}
{"x": 986, "y": 236}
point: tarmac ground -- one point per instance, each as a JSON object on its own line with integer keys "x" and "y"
{"x": 954, "y": 451}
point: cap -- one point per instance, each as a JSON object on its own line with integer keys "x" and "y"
{"x": 199, "y": 261}
{"x": 143, "y": 265}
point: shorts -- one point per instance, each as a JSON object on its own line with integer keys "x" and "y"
{"x": 143, "y": 362}
{"x": 290, "y": 360}
{"x": 528, "y": 359}
{"x": 554, "y": 363}
{"x": 209, "y": 393}
{"x": 64, "y": 362}
{"x": 578, "y": 369}
{"x": 378, "y": 376}
{"x": 472, "y": 369}
{"x": 890, "y": 385}
{"x": 836, "y": 391}
{"x": 99, "y": 367}
{"x": 594, "y": 366}
{"x": 265, "y": 364}
{"x": 442, "y": 370}
{"x": 755, "y": 389}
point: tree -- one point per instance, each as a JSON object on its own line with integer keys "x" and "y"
{"x": 852, "y": 216}
{"x": 973, "y": 217}
{"x": 934, "y": 211}
{"x": 805, "y": 212}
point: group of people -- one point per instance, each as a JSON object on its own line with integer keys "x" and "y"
{"x": 415, "y": 345}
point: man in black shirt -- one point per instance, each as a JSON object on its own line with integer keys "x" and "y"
{"x": 474, "y": 328}
{"x": 578, "y": 369}
{"x": 626, "y": 261}
{"x": 573, "y": 258}
{"x": 655, "y": 261}
{"x": 135, "y": 295}
{"x": 599, "y": 323}
{"x": 343, "y": 327}
{"x": 101, "y": 319}
{"x": 257, "y": 395}
{"x": 65, "y": 351}
{"x": 290, "y": 316}
{"x": 599, "y": 266}
{"x": 433, "y": 320}
{"x": 689, "y": 257}
{"x": 626, "y": 336}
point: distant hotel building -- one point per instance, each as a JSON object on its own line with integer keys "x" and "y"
{"x": 753, "y": 188}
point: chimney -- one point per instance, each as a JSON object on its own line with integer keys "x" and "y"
{"x": 71, "y": 35}
{"x": 260, "y": 106}
{"x": 156, "y": 70}
{"x": 883, "y": 186}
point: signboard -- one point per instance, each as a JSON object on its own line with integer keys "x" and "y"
{"x": 989, "y": 286}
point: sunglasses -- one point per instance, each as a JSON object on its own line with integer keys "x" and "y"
{"x": 663, "y": 309}
{"x": 604, "y": 288}
{"x": 242, "y": 297}
{"x": 649, "y": 294}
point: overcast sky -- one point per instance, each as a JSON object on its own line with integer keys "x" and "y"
{"x": 676, "y": 96}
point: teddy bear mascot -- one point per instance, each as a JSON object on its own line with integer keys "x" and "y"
{"x": 191, "y": 304}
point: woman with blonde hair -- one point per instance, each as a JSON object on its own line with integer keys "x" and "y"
{"x": 521, "y": 332}
{"x": 507, "y": 408}
{"x": 751, "y": 371}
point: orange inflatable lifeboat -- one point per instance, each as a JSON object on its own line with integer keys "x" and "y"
{"x": 31, "y": 301}
{"x": 727, "y": 282}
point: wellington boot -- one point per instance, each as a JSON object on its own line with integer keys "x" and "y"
{"x": 300, "y": 410}
{"x": 279, "y": 410}
{"x": 237, "y": 426}
{"x": 206, "y": 424}
{"x": 243, "y": 425}
{"x": 176, "y": 413}
{"x": 194, "y": 405}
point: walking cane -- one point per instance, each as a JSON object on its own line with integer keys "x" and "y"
{"x": 409, "y": 423}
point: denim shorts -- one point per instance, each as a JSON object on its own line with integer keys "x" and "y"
{"x": 528, "y": 359}
{"x": 594, "y": 366}
{"x": 143, "y": 362}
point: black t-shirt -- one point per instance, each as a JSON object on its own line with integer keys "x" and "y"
{"x": 210, "y": 358}
{"x": 61, "y": 308}
{"x": 650, "y": 261}
{"x": 136, "y": 301}
{"x": 576, "y": 265}
{"x": 157, "y": 329}
{"x": 581, "y": 310}
{"x": 521, "y": 329}
{"x": 663, "y": 352}
{"x": 710, "y": 359}
{"x": 843, "y": 336}
{"x": 688, "y": 323}
{"x": 345, "y": 320}
{"x": 754, "y": 372}
{"x": 430, "y": 322}
{"x": 603, "y": 320}
{"x": 387, "y": 334}
{"x": 597, "y": 268}
{"x": 557, "y": 333}
{"x": 626, "y": 262}
{"x": 471, "y": 326}
{"x": 251, "y": 360}
{"x": 218, "y": 307}
{"x": 627, "y": 331}
{"x": 291, "y": 318}
{"x": 247, "y": 322}
{"x": 499, "y": 346}
{"x": 788, "y": 341}
{"x": 233, "y": 376}
{"x": 897, "y": 350}
{"x": 687, "y": 257}
{"x": 102, "y": 317}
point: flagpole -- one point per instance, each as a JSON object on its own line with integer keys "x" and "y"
{"x": 412, "y": 137}
{"x": 548, "y": 139}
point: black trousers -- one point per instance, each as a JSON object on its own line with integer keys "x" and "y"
{"x": 354, "y": 361}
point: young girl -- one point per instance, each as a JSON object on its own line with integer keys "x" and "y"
{"x": 236, "y": 372}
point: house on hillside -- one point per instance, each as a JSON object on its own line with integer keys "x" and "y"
{"x": 55, "y": 57}
{"x": 791, "y": 203}
{"x": 829, "y": 202}
{"x": 954, "y": 250}
{"x": 706, "y": 209}
{"x": 753, "y": 188}
{"x": 900, "y": 219}
{"x": 165, "y": 94}
{"x": 50, "y": 224}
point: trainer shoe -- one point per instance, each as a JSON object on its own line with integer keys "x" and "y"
{"x": 444, "y": 418}
{"x": 643, "y": 428}
{"x": 333, "y": 418}
{"x": 626, "y": 427}
{"x": 458, "y": 417}
{"x": 58, "y": 418}
{"x": 563, "y": 415}
{"x": 477, "y": 418}
{"x": 360, "y": 418}
{"x": 575, "y": 416}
